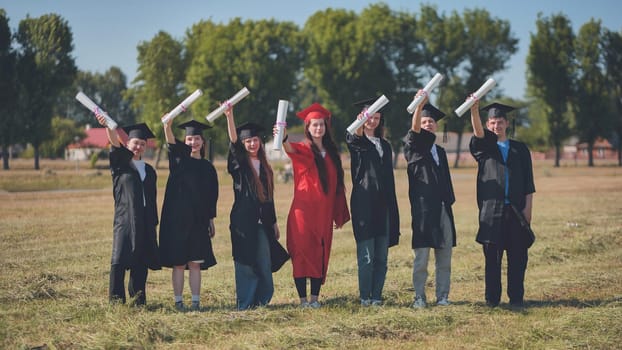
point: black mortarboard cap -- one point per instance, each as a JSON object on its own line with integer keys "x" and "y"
{"x": 138, "y": 131}
{"x": 368, "y": 102}
{"x": 432, "y": 112}
{"x": 249, "y": 129}
{"x": 193, "y": 127}
{"x": 278, "y": 255}
{"x": 498, "y": 110}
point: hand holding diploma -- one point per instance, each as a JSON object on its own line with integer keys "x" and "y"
{"x": 227, "y": 104}
{"x": 431, "y": 85}
{"x": 88, "y": 103}
{"x": 368, "y": 112}
{"x": 481, "y": 92}
{"x": 182, "y": 107}
{"x": 280, "y": 124}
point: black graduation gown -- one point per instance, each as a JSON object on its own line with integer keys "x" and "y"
{"x": 373, "y": 190}
{"x": 248, "y": 210}
{"x": 189, "y": 204}
{"x": 429, "y": 186}
{"x": 135, "y": 219}
{"x": 491, "y": 182}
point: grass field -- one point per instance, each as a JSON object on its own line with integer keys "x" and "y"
{"x": 55, "y": 255}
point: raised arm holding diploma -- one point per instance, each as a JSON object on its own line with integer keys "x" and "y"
{"x": 88, "y": 103}
{"x": 183, "y": 106}
{"x": 281, "y": 113}
{"x": 431, "y": 85}
{"x": 230, "y": 102}
{"x": 477, "y": 95}
{"x": 375, "y": 107}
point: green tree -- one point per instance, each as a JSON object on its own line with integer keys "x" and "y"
{"x": 108, "y": 90}
{"x": 336, "y": 64}
{"x": 44, "y": 68}
{"x": 487, "y": 44}
{"x": 612, "y": 50}
{"x": 10, "y": 126}
{"x": 533, "y": 127}
{"x": 64, "y": 132}
{"x": 591, "y": 105}
{"x": 158, "y": 83}
{"x": 394, "y": 66}
{"x": 550, "y": 74}
{"x": 352, "y": 57}
{"x": 265, "y": 56}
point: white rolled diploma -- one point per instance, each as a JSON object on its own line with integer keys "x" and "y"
{"x": 481, "y": 92}
{"x": 230, "y": 102}
{"x": 88, "y": 103}
{"x": 431, "y": 85}
{"x": 281, "y": 113}
{"x": 371, "y": 110}
{"x": 183, "y": 106}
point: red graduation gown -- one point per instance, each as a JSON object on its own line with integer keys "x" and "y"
{"x": 311, "y": 216}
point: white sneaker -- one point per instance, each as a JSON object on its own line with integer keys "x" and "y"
{"x": 419, "y": 302}
{"x": 315, "y": 304}
{"x": 443, "y": 301}
{"x": 376, "y": 302}
{"x": 365, "y": 302}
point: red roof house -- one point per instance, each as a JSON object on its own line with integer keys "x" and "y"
{"x": 96, "y": 140}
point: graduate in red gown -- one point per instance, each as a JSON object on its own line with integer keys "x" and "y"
{"x": 319, "y": 202}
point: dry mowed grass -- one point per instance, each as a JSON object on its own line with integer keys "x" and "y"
{"x": 55, "y": 250}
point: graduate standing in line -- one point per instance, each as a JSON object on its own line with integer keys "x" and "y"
{"x": 254, "y": 230}
{"x": 134, "y": 245}
{"x": 431, "y": 197}
{"x": 188, "y": 211}
{"x": 505, "y": 190}
{"x": 375, "y": 215}
{"x": 319, "y": 202}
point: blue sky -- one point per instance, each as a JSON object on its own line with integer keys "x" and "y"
{"x": 106, "y": 32}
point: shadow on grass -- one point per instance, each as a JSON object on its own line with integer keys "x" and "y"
{"x": 348, "y": 302}
{"x": 542, "y": 304}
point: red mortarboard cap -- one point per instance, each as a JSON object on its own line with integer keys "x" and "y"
{"x": 314, "y": 111}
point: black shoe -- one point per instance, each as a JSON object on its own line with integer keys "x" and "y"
{"x": 517, "y": 304}
{"x": 492, "y": 303}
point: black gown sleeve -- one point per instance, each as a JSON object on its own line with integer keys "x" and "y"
{"x": 530, "y": 186}
{"x": 483, "y": 147}
{"x": 212, "y": 182}
{"x": 359, "y": 143}
{"x": 234, "y": 157}
{"x": 417, "y": 145}
{"x": 176, "y": 153}
{"x": 120, "y": 158}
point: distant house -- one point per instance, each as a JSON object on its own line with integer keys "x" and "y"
{"x": 95, "y": 141}
{"x": 573, "y": 149}
{"x": 602, "y": 150}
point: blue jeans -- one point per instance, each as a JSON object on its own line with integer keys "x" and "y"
{"x": 253, "y": 284}
{"x": 372, "y": 263}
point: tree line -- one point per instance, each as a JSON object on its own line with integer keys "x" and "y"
{"x": 337, "y": 57}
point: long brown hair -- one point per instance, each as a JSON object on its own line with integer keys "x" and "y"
{"x": 332, "y": 151}
{"x": 263, "y": 194}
